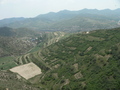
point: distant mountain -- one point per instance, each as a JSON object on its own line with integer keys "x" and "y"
{"x": 6, "y": 21}
{"x": 66, "y": 14}
{"x": 86, "y": 19}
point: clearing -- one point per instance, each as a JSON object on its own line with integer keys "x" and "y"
{"x": 27, "y": 70}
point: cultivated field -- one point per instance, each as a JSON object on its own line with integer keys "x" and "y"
{"x": 27, "y": 70}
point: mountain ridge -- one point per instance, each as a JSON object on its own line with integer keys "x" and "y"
{"x": 48, "y": 21}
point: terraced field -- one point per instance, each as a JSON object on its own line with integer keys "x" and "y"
{"x": 79, "y": 61}
{"x": 46, "y": 39}
{"x": 37, "y": 57}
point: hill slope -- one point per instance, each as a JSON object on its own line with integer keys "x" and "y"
{"x": 15, "y": 41}
{"x": 9, "y": 81}
{"x": 6, "y": 31}
{"x": 86, "y": 61}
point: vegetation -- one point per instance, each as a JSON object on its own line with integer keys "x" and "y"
{"x": 81, "y": 61}
{"x": 22, "y": 41}
{"x": 86, "y": 19}
{"x": 9, "y": 81}
{"x": 18, "y": 44}
{"x": 87, "y": 60}
{"x": 7, "y": 63}
{"x": 6, "y": 31}
{"x": 14, "y": 46}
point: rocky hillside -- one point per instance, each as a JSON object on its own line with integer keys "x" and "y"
{"x": 9, "y": 81}
{"x": 14, "y": 46}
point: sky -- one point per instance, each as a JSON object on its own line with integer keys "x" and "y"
{"x": 32, "y": 8}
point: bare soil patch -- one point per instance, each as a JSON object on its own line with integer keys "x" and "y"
{"x": 27, "y": 70}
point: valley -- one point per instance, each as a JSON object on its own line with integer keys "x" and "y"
{"x": 67, "y": 50}
{"x": 73, "y": 61}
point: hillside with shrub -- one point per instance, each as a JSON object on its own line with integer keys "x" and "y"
{"x": 85, "y": 61}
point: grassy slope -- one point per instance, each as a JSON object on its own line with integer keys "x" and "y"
{"x": 7, "y": 63}
{"x": 81, "y": 61}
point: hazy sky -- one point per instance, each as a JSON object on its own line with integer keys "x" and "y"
{"x": 32, "y": 8}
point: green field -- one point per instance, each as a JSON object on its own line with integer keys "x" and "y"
{"x": 7, "y": 63}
